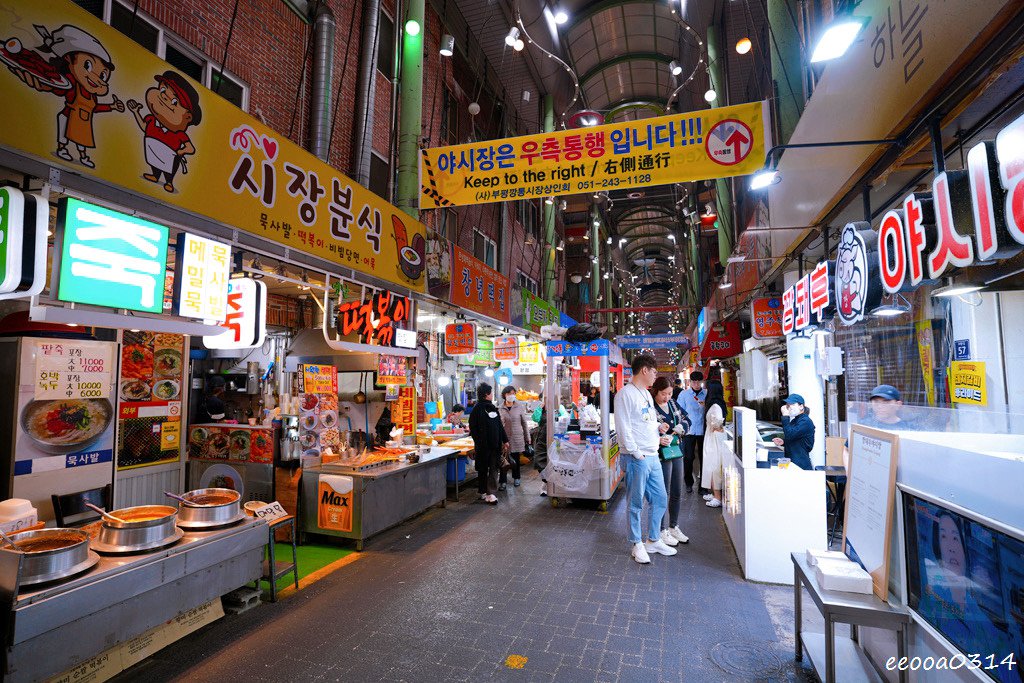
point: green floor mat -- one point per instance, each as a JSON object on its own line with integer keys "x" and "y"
{"x": 312, "y": 557}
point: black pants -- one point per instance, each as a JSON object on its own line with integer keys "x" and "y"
{"x": 487, "y": 465}
{"x": 514, "y": 457}
{"x": 693, "y": 451}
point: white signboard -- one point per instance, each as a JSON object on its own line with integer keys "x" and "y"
{"x": 202, "y": 277}
{"x": 870, "y": 492}
{"x": 245, "y": 323}
{"x": 270, "y": 512}
{"x": 24, "y": 220}
{"x": 73, "y": 369}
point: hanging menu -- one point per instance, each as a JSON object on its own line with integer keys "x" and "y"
{"x": 390, "y": 370}
{"x": 73, "y": 369}
{"x": 318, "y": 409}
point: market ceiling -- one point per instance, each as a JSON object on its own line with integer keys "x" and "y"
{"x": 622, "y": 60}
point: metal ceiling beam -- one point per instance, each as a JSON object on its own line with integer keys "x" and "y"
{"x": 657, "y": 105}
{"x": 622, "y": 59}
{"x": 655, "y": 208}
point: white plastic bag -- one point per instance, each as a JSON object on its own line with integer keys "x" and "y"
{"x": 572, "y": 467}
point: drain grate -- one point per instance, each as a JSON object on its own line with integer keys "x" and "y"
{"x": 750, "y": 660}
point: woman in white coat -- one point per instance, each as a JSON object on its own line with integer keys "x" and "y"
{"x": 714, "y": 442}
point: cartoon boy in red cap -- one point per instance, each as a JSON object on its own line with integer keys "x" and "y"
{"x": 173, "y": 107}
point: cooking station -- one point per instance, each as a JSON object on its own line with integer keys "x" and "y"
{"x": 381, "y": 497}
{"x": 53, "y": 627}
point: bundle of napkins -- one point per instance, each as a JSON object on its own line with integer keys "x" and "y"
{"x": 836, "y": 572}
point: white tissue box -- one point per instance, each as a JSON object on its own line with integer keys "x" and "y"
{"x": 848, "y": 576}
{"x": 814, "y": 556}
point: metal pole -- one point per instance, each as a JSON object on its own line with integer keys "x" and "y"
{"x": 549, "y": 215}
{"x": 938, "y": 157}
{"x": 407, "y": 197}
{"x": 787, "y": 66}
{"x": 595, "y": 254}
{"x": 723, "y": 197}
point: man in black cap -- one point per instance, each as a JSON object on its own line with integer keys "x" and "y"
{"x": 885, "y": 401}
{"x": 798, "y": 429}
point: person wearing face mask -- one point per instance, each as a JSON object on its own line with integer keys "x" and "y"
{"x": 513, "y": 418}
{"x": 798, "y": 432}
{"x": 692, "y": 402}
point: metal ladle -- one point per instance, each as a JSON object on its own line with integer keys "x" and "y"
{"x": 106, "y": 515}
{"x": 8, "y": 539}
{"x": 182, "y": 499}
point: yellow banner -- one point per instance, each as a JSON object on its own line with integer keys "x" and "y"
{"x": 698, "y": 145}
{"x": 967, "y": 382}
{"x": 81, "y": 95}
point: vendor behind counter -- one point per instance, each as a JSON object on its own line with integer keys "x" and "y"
{"x": 212, "y": 408}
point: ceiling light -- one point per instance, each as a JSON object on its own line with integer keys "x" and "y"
{"x": 724, "y": 284}
{"x": 597, "y": 195}
{"x": 896, "y": 305}
{"x": 488, "y": 372}
{"x": 518, "y": 45}
{"x": 561, "y": 245}
{"x": 561, "y": 16}
{"x": 412, "y": 27}
{"x": 837, "y": 38}
{"x": 447, "y": 45}
{"x": 743, "y": 46}
{"x": 957, "y": 289}
{"x": 512, "y": 37}
{"x": 608, "y": 241}
{"x": 764, "y": 178}
{"x": 473, "y": 108}
{"x": 674, "y": 67}
{"x": 563, "y": 205}
{"x": 575, "y": 278}
{"x": 710, "y": 95}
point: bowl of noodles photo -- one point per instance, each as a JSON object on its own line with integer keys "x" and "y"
{"x": 66, "y": 425}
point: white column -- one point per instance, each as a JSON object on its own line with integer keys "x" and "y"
{"x": 980, "y": 323}
{"x": 804, "y": 381}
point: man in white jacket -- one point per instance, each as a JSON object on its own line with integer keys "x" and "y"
{"x": 636, "y": 424}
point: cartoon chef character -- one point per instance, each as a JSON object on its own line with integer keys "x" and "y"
{"x": 85, "y": 63}
{"x": 173, "y": 107}
{"x": 848, "y": 271}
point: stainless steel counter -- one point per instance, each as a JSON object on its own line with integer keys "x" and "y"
{"x": 53, "y": 628}
{"x": 382, "y": 497}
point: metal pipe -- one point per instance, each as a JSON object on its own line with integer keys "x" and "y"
{"x": 407, "y": 196}
{"x": 866, "y": 199}
{"x": 938, "y": 156}
{"x": 323, "y": 76}
{"x": 366, "y": 94}
{"x": 595, "y": 253}
{"x": 549, "y": 214}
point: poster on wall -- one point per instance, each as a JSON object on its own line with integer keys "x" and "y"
{"x": 334, "y": 502}
{"x": 231, "y": 443}
{"x": 65, "y": 405}
{"x": 870, "y": 492}
{"x": 151, "y": 386}
{"x": 967, "y": 382}
{"x": 318, "y": 409}
{"x": 390, "y": 370}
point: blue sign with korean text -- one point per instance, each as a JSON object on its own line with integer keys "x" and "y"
{"x": 597, "y": 347}
{"x": 962, "y": 349}
{"x": 652, "y": 341}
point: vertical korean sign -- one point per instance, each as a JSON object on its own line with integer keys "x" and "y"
{"x": 479, "y": 287}
{"x": 202, "y": 154}
{"x": 151, "y": 388}
{"x": 713, "y": 143}
{"x": 403, "y": 411}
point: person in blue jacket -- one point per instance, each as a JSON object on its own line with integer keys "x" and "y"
{"x": 798, "y": 430}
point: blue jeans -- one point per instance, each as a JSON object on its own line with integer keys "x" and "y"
{"x": 644, "y": 481}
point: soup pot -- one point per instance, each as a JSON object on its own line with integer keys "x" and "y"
{"x": 145, "y": 527}
{"x": 51, "y": 554}
{"x": 209, "y": 508}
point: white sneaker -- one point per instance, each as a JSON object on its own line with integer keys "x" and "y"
{"x": 492, "y": 499}
{"x": 639, "y": 553}
{"x": 668, "y": 539}
{"x": 678, "y": 535}
{"x": 660, "y": 548}
{"x": 708, "y": 496}
{"x": 714, "y": 503}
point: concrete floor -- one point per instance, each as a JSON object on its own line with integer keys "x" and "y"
{"x": 450, "y": 595}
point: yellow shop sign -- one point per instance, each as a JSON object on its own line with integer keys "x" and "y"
{"x": 967, "y": 382}
{"x": 698, "y": 145}
{"x": 81, "y": 95}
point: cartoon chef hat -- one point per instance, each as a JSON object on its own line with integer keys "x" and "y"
{"x": 69, "y": 39}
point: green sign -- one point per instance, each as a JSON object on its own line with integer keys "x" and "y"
{"x": 111, "y": 259}
{"x": 484, "y": 353}
{"x": 11, "y": 218}
{"x": 537, "y": 312}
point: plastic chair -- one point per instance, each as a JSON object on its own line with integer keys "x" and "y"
{"x": 71, "y": 504}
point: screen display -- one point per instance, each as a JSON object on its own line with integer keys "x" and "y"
{"x": 967, "y": 581}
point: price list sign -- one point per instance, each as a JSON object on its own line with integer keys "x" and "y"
{"x": 72, "y": 369}
{"x": 319, "y": 379}
{"x": 203, "y": 278}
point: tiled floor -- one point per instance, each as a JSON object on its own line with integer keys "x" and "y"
{"x": 452, "y": 594}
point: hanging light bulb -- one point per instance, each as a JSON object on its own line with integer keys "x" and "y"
{"x": 743, "y": 46}
{"x": 447, "y": 45}
{"x": 518, "y": 45}
{"x": 512, "y": 37}
{"x": 674, "y": 68}
{"x": 710, "y": 95}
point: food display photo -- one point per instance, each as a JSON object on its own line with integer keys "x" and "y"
{"x": 150, "y": 389}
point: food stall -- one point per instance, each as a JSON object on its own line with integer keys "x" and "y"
{"x": 583, "y": 455}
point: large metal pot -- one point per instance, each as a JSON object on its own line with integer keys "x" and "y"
{"x": 145, "y": 527}
{"x": 51, "y": 554}
{"x": 209, "y": 508}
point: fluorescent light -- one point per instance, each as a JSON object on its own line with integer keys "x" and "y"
{"x": 837, "y": 38}
{"x": 889, "y": 311}
{"x": 561, "y": 16}
{"x": 412, "y": 27}
{"x": 710, "y": 95}
{"x": 764, "y": 178}
{"x": 957, "y": 290}
{"x": 674, "y": 67}
{"x": 512, "y": 37}
{"x": 447, "y": 45}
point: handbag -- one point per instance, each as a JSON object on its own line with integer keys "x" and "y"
{"x": 671, "y": 451}
{"x": 506, "y": 460}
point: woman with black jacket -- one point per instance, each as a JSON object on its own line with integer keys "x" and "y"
{"x": 489, "y": 441}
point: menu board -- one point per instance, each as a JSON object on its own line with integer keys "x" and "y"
{"x": 203, "y": 281}
{"x": 870, "y": 492}
{"x": 506, "y": 348}
{"x": 151, "y": 385}
{"x": 73, "y": 370}
{"x": 390, "y": 370}
{"x": 318, "y": 409}
{"x": 236, "y": 443}
{"x": 403, "y": 411}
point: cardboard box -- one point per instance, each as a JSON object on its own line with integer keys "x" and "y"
{"x": 848, "y": 577}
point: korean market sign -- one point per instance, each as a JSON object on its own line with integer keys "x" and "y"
{"x": 460, "y": 339}
{"x": 403, "y": 411}
{"x": 200, "y": 154}
{"x": 201, "y": 278}
{"x": 529, "y": 352}
{"x": 597, "y": 347}
{"x": 506, "y": 348}
{"x": 484, "y": 354}
{"x": 245, "y": 324}
{"x": 537, "y": 312}
{"x": 24, "y": 220}
{"x": 722, "y": 341}
{"x": 857, "y": 287}
{"x": 652, "y": 341}
{"x": 319, "y": 379}
{"x": 713, "y": 143}
{"x": 478, "y": 287}
{"x": 766, "y": 317}
{"x": 390, "y": 370}
{"x": 374, "y": 319}
{"x": 967, "y": 382}
{"x": 808, "y": 302}
{"x": 108, "y": 258}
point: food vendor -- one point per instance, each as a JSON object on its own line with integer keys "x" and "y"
{"x": 455, "y": 415}
{"x": 212, "y": 408}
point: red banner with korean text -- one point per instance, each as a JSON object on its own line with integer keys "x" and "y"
{"x": 478, "y": 287}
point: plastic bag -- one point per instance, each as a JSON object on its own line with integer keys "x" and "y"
{"x": 572, "y": 467}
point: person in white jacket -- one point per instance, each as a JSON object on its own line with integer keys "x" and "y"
{"x": 714, "y": 443}
{"x": 640, "y": 437}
